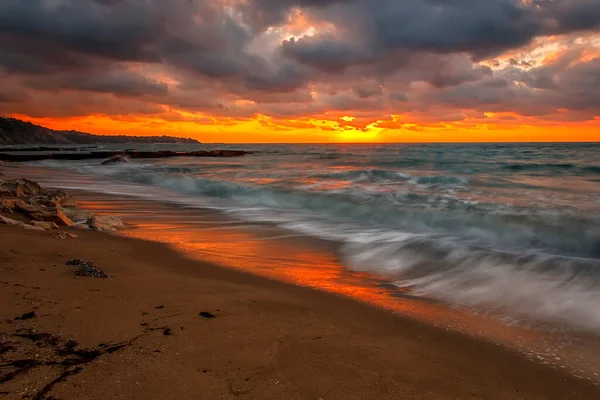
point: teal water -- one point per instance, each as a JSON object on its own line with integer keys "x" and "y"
{"x": 504, "y": 227}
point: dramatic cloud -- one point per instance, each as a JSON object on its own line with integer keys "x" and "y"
{"x": 310, "y": 61}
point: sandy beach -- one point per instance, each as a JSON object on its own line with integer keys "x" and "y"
{"x": 167, "y": 327}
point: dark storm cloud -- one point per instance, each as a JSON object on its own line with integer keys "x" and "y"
{"x": 123, "y": 30}
{"x": 378, "y": 29}
{"x": 45, "y": 37}
{"x": 119, "y": 82}
{"x": 367, "y": 57}
{"x": 535, "y": 92}
{"x": 570, "y": 15}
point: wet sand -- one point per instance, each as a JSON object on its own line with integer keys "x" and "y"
{"x": 140, "y": 335}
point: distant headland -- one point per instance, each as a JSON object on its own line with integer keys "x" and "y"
{"x": 16, "y": 132}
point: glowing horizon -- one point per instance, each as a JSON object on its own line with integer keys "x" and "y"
{"x": 413, "y": 133}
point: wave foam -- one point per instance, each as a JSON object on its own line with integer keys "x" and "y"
{"x": 538, "y": 286}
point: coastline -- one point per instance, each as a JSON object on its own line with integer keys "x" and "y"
{"x": 268, "y": 340}
{"x": 157, "y": 259}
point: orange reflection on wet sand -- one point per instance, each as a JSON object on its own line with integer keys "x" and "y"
{"x": 267, "y": 251}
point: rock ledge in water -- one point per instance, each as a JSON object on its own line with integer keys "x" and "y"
{"x": 118, "y": 159}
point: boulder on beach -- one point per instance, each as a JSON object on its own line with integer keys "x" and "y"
{"x": 104, "y": 224}
{"x": 117, "y": 159}
{"x": 76, "y": 215}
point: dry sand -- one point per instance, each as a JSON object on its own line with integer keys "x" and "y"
{"x": 139, "y": 335}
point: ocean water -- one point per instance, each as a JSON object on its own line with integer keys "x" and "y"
{"x": 509, "y": 228}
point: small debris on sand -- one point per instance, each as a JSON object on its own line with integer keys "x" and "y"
{"x": 26, "y": 316}
{"x": 64, "y": 235}
{"x": 206, "y": 314}
{"x": 87, "y": 268}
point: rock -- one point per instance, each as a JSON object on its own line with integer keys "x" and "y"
{"x": 104, "y": 224}
{"x": 48, "y": 212}
{"x": 53, "y": 197}
{"x": 27, "y": 208}
{"x": 217, "y": 153}
{"x": 68, "y": 202}
{"x": 45, "y": 225}
{"x": 64, "y": 235}
{"x": 8, "y": 205}
{"x": 115, "y": 160}
{"x": 227, "y": 153}
{"x": 84, "y": 155}
{"x": 79, "y": 216}
{"x": 55, "y": 215}
{"x": 20, "y": 224}
{"x": 19, "y": 188}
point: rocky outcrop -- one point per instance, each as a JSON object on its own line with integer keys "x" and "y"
{"x": 27, "y": 198}
{"x": 34, "y": 207}
{"x": 19, "y": 188}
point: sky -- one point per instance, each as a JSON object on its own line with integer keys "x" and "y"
{"x": 306, "y": 70}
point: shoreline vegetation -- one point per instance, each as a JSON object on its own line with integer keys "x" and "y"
{"x": 168, "y": 327}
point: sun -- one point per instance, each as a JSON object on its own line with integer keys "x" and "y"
{"x": 357, "y": 136}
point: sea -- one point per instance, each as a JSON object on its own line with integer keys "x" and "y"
{"x": 507, "y": 230}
